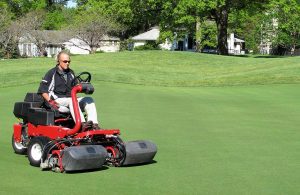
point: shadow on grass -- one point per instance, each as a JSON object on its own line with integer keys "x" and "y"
{"x": 240, "y": 56}
{"x": 88, "y": 171}
{"x": 141, "y": 164}
{"x": 103, "y": 168}
{"x": 270, "y": 56}
{"x": 258, "y": 56}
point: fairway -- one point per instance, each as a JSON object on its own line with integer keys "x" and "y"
{"x": 242, "y": 139}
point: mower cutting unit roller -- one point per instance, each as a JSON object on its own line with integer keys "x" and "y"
{"x": 54, "y": 141}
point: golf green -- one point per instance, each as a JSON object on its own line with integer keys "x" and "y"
{"x": 211, "y": 140}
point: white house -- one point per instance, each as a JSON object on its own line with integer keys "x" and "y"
{"x": 77, "y": 46}
{"x": 55, "y": 41}
{"x": 235, "y": 45}
{"x": 51, "y": 41}
{"x": 153, "y": 35}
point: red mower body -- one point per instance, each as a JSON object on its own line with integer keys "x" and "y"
{"x": 58, "y": 143}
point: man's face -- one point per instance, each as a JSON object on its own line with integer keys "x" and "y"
{"x": 64, "y": 61}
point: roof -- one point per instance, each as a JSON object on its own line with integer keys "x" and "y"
{"x": 55, "y": 37}
{"x": 151, "y": 35}
{"x": 236, "y": 40}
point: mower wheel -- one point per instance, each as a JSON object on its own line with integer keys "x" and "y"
{"x": 18, "y": 147}
{"x": 35, "y": 150}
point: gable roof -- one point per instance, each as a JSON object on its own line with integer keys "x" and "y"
{"x": 53, "y": 37}
{"x": 237, "y": 40}
{"x": 151, "y": 35}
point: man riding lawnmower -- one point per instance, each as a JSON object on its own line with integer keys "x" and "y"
{"x": 54, "y": 139}
{"x": 56, "y": 88}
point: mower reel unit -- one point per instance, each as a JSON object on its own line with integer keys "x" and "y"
{"x": 55, "y": 141}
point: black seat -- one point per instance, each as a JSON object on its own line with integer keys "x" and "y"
{"x": 31, "y": 100}
{"x": 37, "y": 111}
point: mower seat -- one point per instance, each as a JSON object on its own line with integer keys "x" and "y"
{"x": 31, "y": 100}
{"x": 36, "y": 111}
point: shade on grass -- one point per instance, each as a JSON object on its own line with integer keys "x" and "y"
{"x": 211, "y": 140}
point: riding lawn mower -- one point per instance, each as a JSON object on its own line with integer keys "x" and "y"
{"x": 56, "y": 141}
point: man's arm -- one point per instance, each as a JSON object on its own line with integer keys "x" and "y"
{"x": 46, "y": 96}
{"x": 44, "y": 87}
{"x": 53, "y": 104}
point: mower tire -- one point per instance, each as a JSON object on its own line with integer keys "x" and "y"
{"x": 18, "y": 147}
{"x": 35, "y": 150}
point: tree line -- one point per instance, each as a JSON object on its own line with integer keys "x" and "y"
{"x": 208, "y": 21}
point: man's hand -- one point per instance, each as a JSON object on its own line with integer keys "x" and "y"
{"x": 53, "y": 104}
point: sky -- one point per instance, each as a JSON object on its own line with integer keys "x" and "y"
{"x": 71, "y": 4}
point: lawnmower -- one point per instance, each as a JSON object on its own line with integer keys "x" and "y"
{"x": 55, "y": 141}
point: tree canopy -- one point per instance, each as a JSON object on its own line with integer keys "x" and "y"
{"x": 208, "y": 22}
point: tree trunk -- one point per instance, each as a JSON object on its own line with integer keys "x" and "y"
{"x": 198, "y": 34}
{"x": 221, "y": 17}
{"x": 93, "y": 49}
{"x": 42, "y": 48}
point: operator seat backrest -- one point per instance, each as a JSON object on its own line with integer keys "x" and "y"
{"x": 31, "y": 100}
{"x": 33, "y": 97}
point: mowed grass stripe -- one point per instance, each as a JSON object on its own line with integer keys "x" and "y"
{"x": 220, "y": 140}
{"x": 162, "y": 68}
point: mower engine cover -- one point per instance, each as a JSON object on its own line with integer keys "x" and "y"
{"x": 138, "y": 152}
{"x": 83, "y": 157}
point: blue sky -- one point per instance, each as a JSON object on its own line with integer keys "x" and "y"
{"x": 71, "y": 4}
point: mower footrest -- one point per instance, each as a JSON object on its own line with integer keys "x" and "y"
{"x": 138, "y": 152}
{"x": 83, "y": 157}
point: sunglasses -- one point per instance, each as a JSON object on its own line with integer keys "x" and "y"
{"x": 66, "y": 61}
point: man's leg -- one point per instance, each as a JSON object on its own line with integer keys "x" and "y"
{"x": 90, "y": 108}
{"x": 65, "y": 105}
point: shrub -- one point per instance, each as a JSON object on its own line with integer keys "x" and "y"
{"x": 150, "y": 45}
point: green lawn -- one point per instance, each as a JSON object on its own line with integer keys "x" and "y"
{"x": 158, "y": 68}
{"x": 220, "y": 139}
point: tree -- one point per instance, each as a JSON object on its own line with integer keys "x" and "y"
{"x": 246, "y": 24}
{"x": 30, "y": 26}
{"x": 191, "y": 13}
{"x": 22, "y": 7}
{"x": 208, "y": 34}
{"x": 220, "y": 10}
{"x": 5, "y": 37}
{"x": 58, "y": 18}
{"x": 91, "y": 29}
{"x": 134, "y": 15}
{"x": 285, "y": 17}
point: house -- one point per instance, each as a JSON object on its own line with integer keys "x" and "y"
{"x": 51, "y": 41}
{"x": 77, "y": 46}
{"x": 184, "y": 44}
{"x": 236, "y": 46}
{"x": 141, "y": 39}
{"x": 54, "y": 41}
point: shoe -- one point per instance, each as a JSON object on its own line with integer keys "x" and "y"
{"x": 96, "y": 126}
{"x": 85, "y": 126}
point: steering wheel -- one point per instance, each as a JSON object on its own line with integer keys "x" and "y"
{"x": 84, "y": 77}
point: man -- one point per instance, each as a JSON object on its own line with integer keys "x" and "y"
{"x": 56, "y": 88}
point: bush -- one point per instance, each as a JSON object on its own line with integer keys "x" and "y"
{"x": 150, "y": 45}
{"x": 126, "y": 45}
